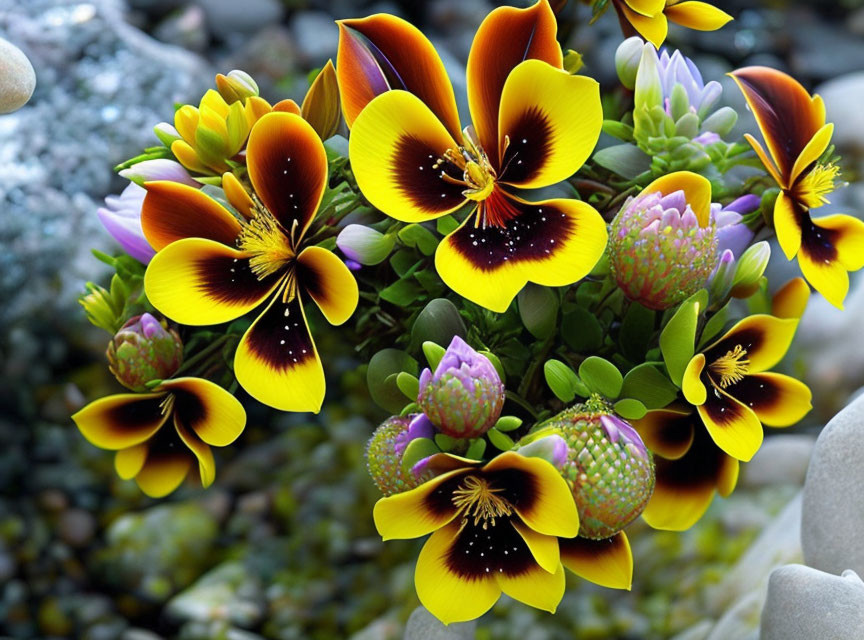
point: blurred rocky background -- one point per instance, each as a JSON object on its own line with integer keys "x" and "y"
{"x": 283, "y": 546}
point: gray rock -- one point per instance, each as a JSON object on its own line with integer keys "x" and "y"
{"x": 833, "y": 512}
{"x": 422, "y": 625}
{"x": 805, "y": 604}
{"x": 228, "y": 592}
{"x": 699, "y": 631}
{"x": 229, "y": 18}
{"x": 783, "y": 459}
{"x": 186, "y": 28}
{"x": 843, "y": 97}
{"x": 741, "y": 621}
{"x": 139, "y": 634}
{"x": 17, "y": 77}
{"x": 315, "y": 35}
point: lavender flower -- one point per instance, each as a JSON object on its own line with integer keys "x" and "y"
{"x": 159, "y": 169}
{"x": 121, "y": 217}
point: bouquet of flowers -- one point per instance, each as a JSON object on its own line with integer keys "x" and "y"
{"x": 597, "y": 328}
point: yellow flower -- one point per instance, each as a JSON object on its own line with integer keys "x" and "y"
{"x": 159, "y": 455}
{"x": 534, "y": 125}
{"x": 733, "y": 391}
{"x": 494, "y": 529}
{"x": 650, "y": 18}
{"x": 793, "y": 125}
{"x": 212, "y": 268}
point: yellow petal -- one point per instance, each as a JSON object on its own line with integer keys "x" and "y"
{"x": 778, "y": 400}
{"x": 733, "y": 426}
{"x": 421, "y": 510}
{"x": 692, "y": 386}
{"x": 653, "y": 28}
{"x": 765, "y": 338}
{"x": 128, "y": 462}
{"x": 791, "y": 299}
{"x": 163, "y": 474}
{"x": 813, "y": 151}
{"x": 535, "y": 587}
{"x": 543, "y": 548}
{"x": 216, "y": 416}
{"x": 329, "y": 283}
{"x": 121, "y": 421}
{"x": 237, "y": 195}
{"x": 696, "y": 188}
{"x": 607, "y": 562}
{"x": 697, "y": 15}
{"x": 202, "y": 452}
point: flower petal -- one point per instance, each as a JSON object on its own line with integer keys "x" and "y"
{"x": 121, "y": 421}
{"x": 128, "y": 462}
{"x": 646, "y": 7}
{"x": 667, "y": 432}
{"x": 540, "y": 143}
{"x": 733, "y": 426}
{"x": 765, "y": 338}
{"x": 200, "y": 282}
{"x": 329, "y": 283}
{"x": 276, "y": 361}
{"x": 174, "y": 211}
{"x": 237, "y": 195}
{"x": 692, "y": 387}
{"x": 697, "y": 15}
{"x": 421, "y": 510}
{"x": 778, "y": 400}
{"x": 543, "y": 548}
{"x": 791, "y": 299}
{"x": 786, "y": 114}
{"x": 696, "y": 188}
{"x": 827, "y": 276}
{"x": 216, "y": 416}
{"x": 607, "y": 562}
{"x": 552, "y": 243}
{"x": 444, "y": 587}
{"x": 685, "y": 487}
{"x": 506, "y": 37}
{"x": 845, "y": 234}
{"x": 653, "y": 28}
{"x": 163, "y": 472}
{"x": 394, "y": 147}
{"x": 535, "y": 587}
{"x": 537, "y": 492}
{"x": 394, "y": 55}
{"x": 288, "y": 168}
{"x": 766, "y": 161}
{"x": 788, "y": 217}
{"x": 812, "y": 151}
{"x": 201, "y": 451}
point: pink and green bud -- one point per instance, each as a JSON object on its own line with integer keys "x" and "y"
{"x": 143, "y": 350}
{"x": 464, "y": 397}
{"x": 608, "y": 469}
{"x": 658, "y": 251}
{"x": 384, "y": 453}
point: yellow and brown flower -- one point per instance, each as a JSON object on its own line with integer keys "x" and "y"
{"x": 213, "y": 268}
{"x": 733, "y": 391}
{"x": 160, "y": 436}
{"x": 534, "y": 125}
{"x": 792, "y": 123}
{"x": 650, "y": 18}
{"x": 495, "y": 529}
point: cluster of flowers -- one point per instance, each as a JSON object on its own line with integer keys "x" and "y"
{"x": 635, "y": 286}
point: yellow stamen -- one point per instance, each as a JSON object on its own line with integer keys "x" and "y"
{"x": 818, "y": 184}
{"x": 478, "y": 176}
{"x": 732, "y": 367}
{"x": 167, "y": 404}
{"x": 476, "y": 499}
{"x": 265, "y": 239}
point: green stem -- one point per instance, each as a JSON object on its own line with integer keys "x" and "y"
{"x": 213, "y": 347}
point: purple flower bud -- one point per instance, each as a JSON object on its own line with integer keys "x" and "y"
{"x": 732, "y": 233}
{"x": 384, "y": 456}
{"x": 143, "y": 350}
{"x": 616, "y": 429}
{"x": 364, "y": 245}
{"x": 121, "y": 217}
{"x": 419, "y": 427}
{"x": 464, "y": 397}
{"x": 159, "y": 169}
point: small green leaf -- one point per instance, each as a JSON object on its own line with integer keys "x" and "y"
{"x": 601, "y": 376}
{"x": 715, "y": 325}
{"x": 630, "y": 409}
{"x": 408, "y": 384}
{"x": 445, "y": 442}
{"x": 627, "y": 160}
{"x": 501, "y": 440}
{"x": 416, "y": 450}
{"x": 538, "y": 308}
{"x": 381, "y": 375}
{"x": 476, "y": 449}
{"x": 678, "y": 339}
{"x": 580, "y": 330}
{"x": 416, "y": 235}
{"x": 438, "y": 322}
{"x": 647, "y": 384}
{"x": 561, "y": 380}
{"x": 446, "y": 225}
{"x": 508, "y": 423}
{"x": 402, "y": 292}
{"x": 433, "y": 353}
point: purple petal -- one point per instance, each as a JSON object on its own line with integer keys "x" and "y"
{"x": 745, "y": 204}
{"x": 159, "y": 169}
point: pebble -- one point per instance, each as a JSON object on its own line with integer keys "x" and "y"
{"x": 783, "y": 459}
{"x": 832, "y": 509}
{"x": 807, "y": 604}
{"x": 422, "y": 625}
{"x": 17, "y": 77}
{"x": 76, "y": 527}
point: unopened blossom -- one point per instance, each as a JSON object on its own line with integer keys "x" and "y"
{"x": 121, "y": 217}
{"x": 144, "y": 349}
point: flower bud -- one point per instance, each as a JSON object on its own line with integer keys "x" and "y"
{"x": 364, "y": 244}
{"x": 721, "y": 121}
{"x": 166, "y": 133}
{"x": 627, "y": 58}
{"x": 552, "y": 448}
{"x": 236, "y": 86}
{"x": 751, "y": 266}
{"x": 321, "y": 107}
{"x": 464, "y": 397}
{"x": 720, "y": 282}
{"x": 659, "y": 253}
{"x": 573, "y": 62}
{"x": 143, "y": 350}
{"x": 608, "y": 469}
{"x": 159, "y": 169}
{"x": 386, "y": 447}
{"x": 648, "y": 90}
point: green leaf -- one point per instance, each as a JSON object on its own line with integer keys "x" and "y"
{"x": 418, "y": 236}
{"x": 416, "y": 450}
{"x": 508, "y": 423}
{"x": 403, "y": 262}
{"x": 715, "y": 325}
{"x": 402, "y": 292}
{"x": 438, "y": 322}
{"x": 647, "y": 384}
{"x": 618, "y": 129}
{"x": 445, "y": 442}
{"x": 630, "y": 409}
{"x": 538, "y": 308}
{"x": 433, "y": 352}
{"x": 446, "y": 225}
{"x": 501, "y": 440}
{"x": 381, "y": 376}
{"x": 561, "y": 380}
{"x": 627, "y": 160}
{"x": 408, "y": 384}
{"x": 678, "y": 339}
{"x": 581, "y": 331}
{"x": 637, "y": 327}
{"x": 476, "y": 449}
{"x": 601, "y": 376}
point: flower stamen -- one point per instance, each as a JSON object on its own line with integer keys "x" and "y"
{"x": 265, "y": 239}
{"x": 477, "y": 500}
{"x": 818, "y": 184}
{"x": 732, "y": 367}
